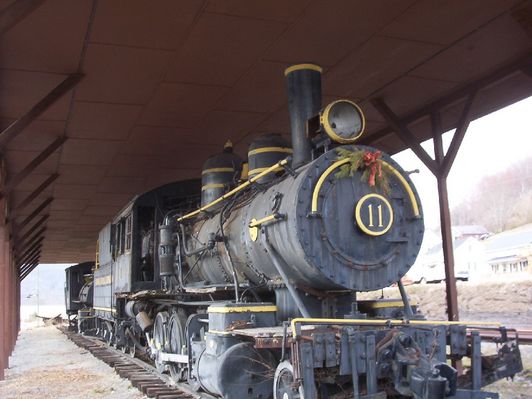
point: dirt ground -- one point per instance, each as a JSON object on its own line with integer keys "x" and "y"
{"x": 46, "y": 365}
{"x": 507, "y": 302}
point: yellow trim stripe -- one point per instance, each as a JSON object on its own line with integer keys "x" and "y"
{"x": 260, "y": 170}
{"x": 321, "y": 180}
{"x": 241, "y": 309}
{"x": 298, "y": 67}
{"x": 217, "y": 170}
{"x": 213, "y": 185}
{"x": 233, "y": 191}
{"x": 104, "y": 309}
{"x": 286, "y": 150}
{"x": 384, "y": 304}
{"x": 105, "y": 280}
{"x": 408, "y": 189}
{"x": 324, "y": 120}
{"x": 390, "y": 322}
{"x": 337, "y": 164}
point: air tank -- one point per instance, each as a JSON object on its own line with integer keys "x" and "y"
{"x": 219, "y": 174}
{"x": 266, "y": 151}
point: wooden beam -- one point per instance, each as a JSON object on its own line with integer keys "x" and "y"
{"x": 24, "y": 267}
{"x": 20, "y": 124}
{"x": 458, "y": 137}
{"x": 13, "y": 182}
{"x": 36, "y": 211}
{"x": 23, "y": 243}
{"x": 404, "y": 134}
{"x": 510, "y": 68}
{"x": 32, "y": 267}
{"x": 16, "y": 12}
{"x": 29, "y": 263}
{"x": 29, "y": 251}
{"x": 39, "y": 222}
{"x": 28, "y": 242}
{"x": 435, "y": 121}
{"x": 43, "y": 186}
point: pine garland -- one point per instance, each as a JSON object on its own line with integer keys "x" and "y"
{"x": 369, "y": 163}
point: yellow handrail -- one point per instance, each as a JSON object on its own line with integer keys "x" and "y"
{"x": 234, "y": 190}
{"x": 340, "y": 162}
{"x": 390, "y": 322}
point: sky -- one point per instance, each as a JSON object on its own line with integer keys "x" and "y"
{"x": 491, "y": 144}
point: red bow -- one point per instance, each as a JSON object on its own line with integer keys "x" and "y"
{"x": 371, "y": 160}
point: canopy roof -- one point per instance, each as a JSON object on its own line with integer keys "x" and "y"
{"x": 165, "y": 83}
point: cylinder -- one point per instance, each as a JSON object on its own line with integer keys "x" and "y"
{"x": 167, "y": 247}
{"x": 304, "y": 101}
{"x": 144, "y": 321}
{"x": 266, "y": 151}
{"x": 219, "y": 174}
{"x": 232, "y": 370}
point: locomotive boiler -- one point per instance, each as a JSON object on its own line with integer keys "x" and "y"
{"x": 244, "y": 285}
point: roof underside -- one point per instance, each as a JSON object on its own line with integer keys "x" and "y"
{"x": 167, "y": 82}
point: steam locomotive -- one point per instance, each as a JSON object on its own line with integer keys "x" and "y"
{"x": 243, "y": 283}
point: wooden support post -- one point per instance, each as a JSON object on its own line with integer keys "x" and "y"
{"x": 16, "y": 12}
{"x": 36, "y": 211}
{"x": 3, "y": 305}
{"x": 14, "y": 181}
{"x": 5, "y": 297}
{"x": 440, "y": 167}
{"x": 445, "y": 222}
{"x": 26, "y": 201}
{"x": 18, "y": 126}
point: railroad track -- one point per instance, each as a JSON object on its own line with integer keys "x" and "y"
{"x": 525, "y": 336}
{"x": 141, "y": 375}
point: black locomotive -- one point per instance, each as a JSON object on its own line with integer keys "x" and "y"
{"x": 243, "y": 283}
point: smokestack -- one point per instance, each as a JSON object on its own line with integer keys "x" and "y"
{"x": 304, "y": 101}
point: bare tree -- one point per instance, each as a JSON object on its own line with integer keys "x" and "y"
{"x": 501, "y": 201}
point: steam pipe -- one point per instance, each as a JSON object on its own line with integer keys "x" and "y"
{"x": 278, "y": 263}
{"x": 304, "y": 101}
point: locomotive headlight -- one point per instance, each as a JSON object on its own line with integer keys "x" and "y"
{"x": 343, "y": 121}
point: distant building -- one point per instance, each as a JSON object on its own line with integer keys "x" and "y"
{"x": 477, "y": 257}
{"x": 469, "y": 261}
{"x": 510, "y": 251}
{"x": 470, "y": 230}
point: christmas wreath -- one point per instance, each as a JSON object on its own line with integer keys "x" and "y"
{"x": 370, "y": 163}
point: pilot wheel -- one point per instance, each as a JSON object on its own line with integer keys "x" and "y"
{"x": 283, "y": 383}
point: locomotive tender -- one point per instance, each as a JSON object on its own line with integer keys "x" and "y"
{"x": 243, "y": 284}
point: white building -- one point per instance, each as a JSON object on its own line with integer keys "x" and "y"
{"x": 469, "y": 262}
{"x": 510, "y": 252}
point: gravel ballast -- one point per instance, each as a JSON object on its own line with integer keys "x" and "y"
{"x": 45, "y": 364}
